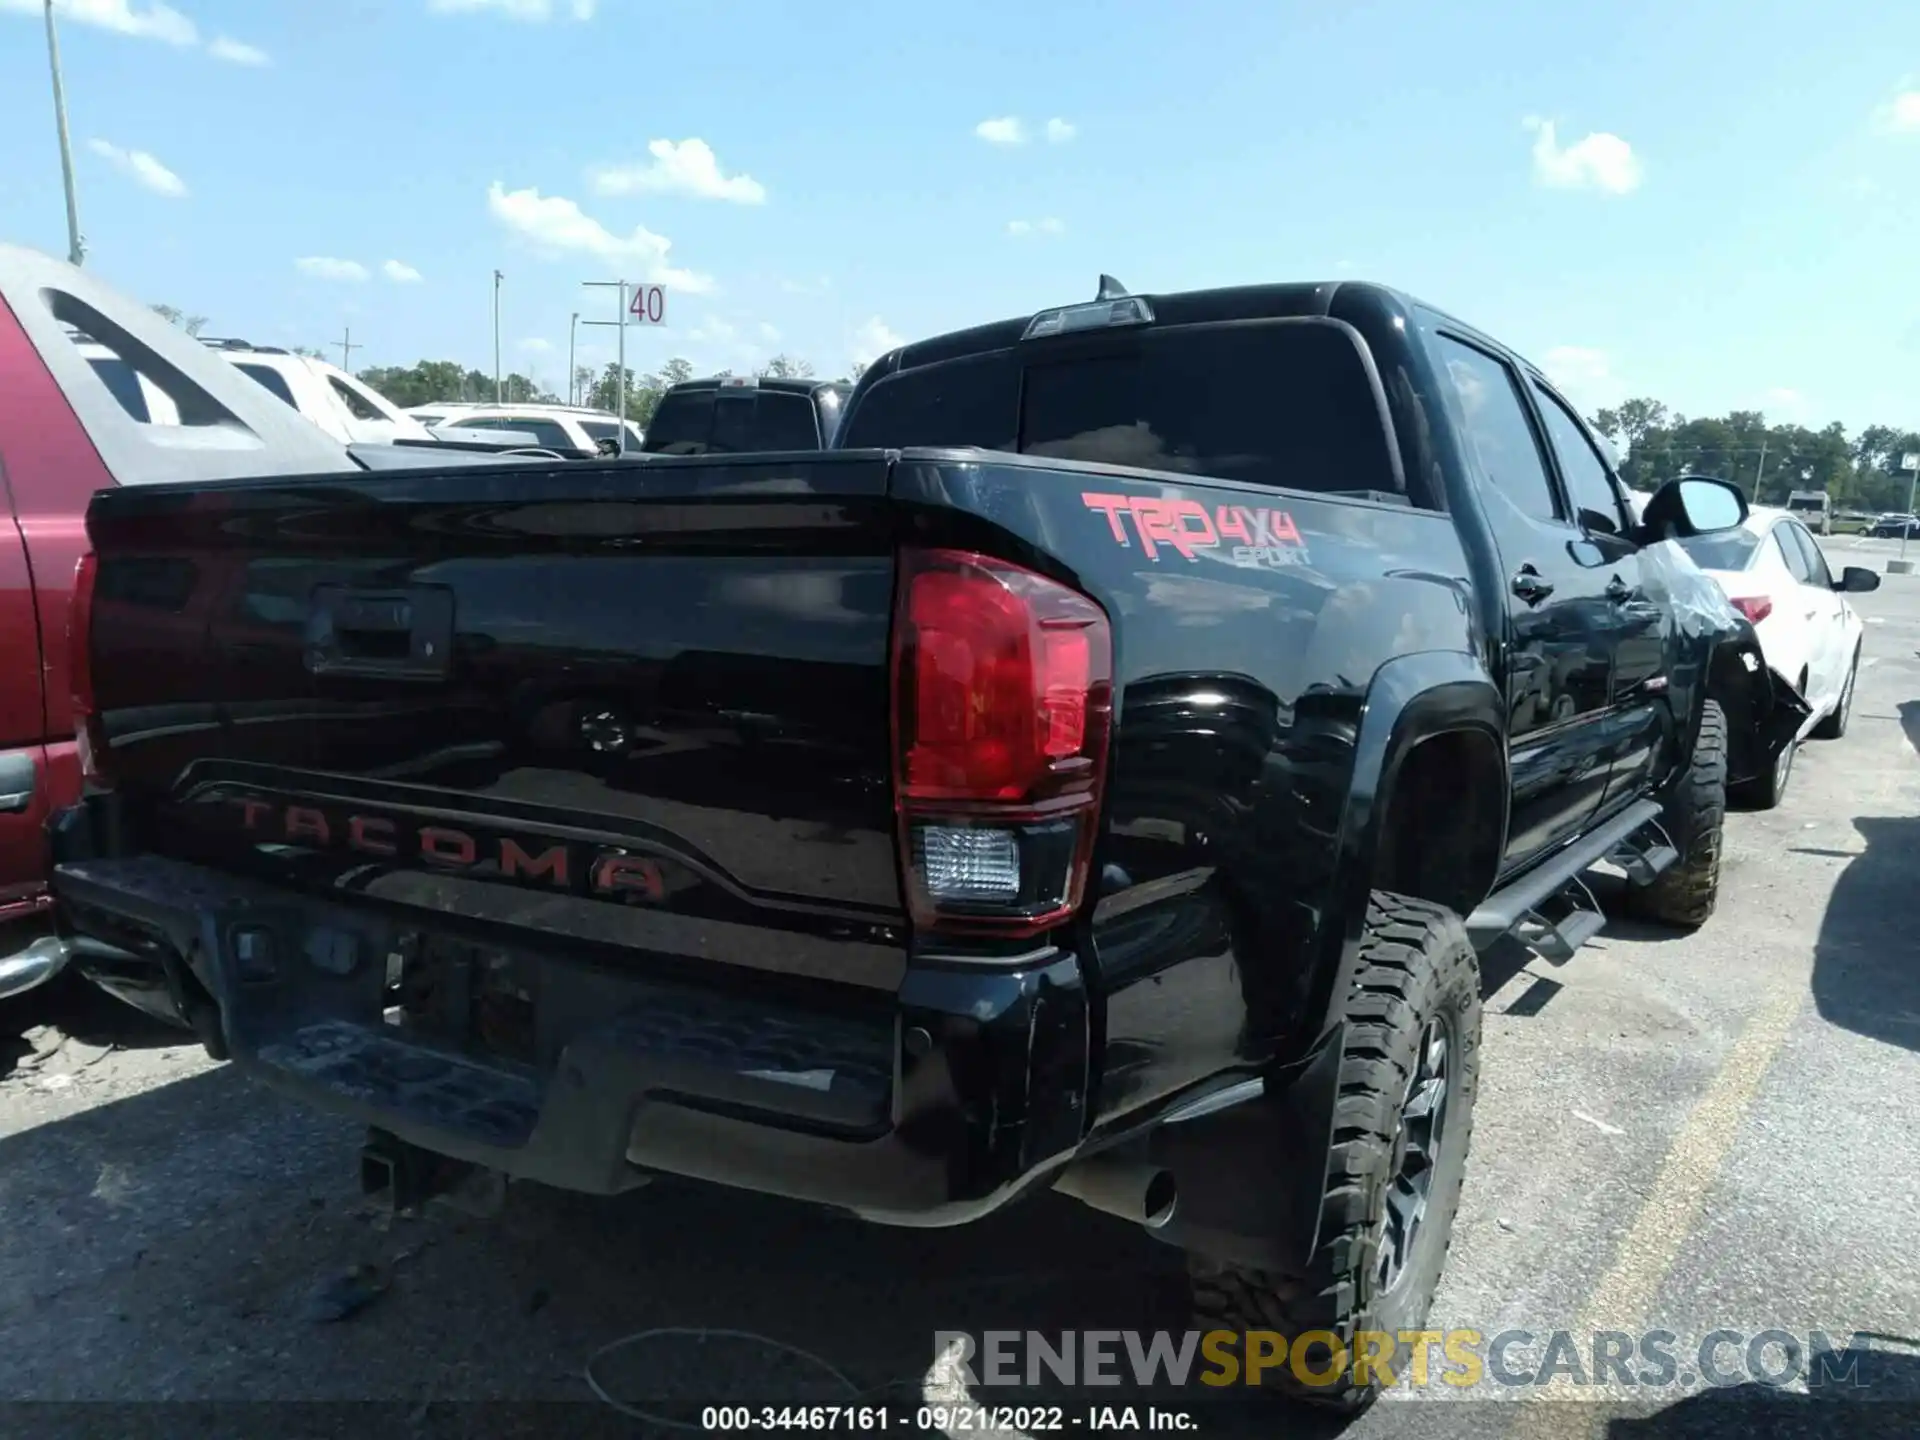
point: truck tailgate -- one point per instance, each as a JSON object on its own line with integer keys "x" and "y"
{"x": 636, "y": 707}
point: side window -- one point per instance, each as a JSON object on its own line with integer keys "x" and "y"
{"x": 1790, "y": 555}
{"x": 267, "y": 378}
{"x": 1496, "y": 423}
{"x": 1816, "y": 562}
{"x": 357, "y": 404}
{"x": 550, "y": 433}
{"x": 1589, "y": 487}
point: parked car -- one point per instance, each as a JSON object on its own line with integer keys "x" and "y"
{"x": 1777, "y": 576}
{"x": 1894, "y": 526}
{"x": 99, "y": 391}
{"x": 741, "y": 414}
{"x": 565, "y": 429}
{"x": 916, "y": 825}
{"x": 348, "y": 409}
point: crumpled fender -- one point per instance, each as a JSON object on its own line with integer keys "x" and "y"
{"x": 1718, "y": 644}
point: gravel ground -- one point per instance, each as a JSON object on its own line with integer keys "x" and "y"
{"x": 1688, "y": 1134}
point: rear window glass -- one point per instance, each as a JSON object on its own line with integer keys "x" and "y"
{"x": 681, "y": 424}
{"x": 745, "y": 422}
{"x": 1723, "y": 550}
{"x": 1280, "y": 404}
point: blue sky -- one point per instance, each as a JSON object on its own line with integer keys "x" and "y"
{"x": 1716, "y": 203}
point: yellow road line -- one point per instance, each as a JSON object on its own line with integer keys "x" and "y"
{"x": 1667, "y": 1215}
{"x": 1687, "y": 1175}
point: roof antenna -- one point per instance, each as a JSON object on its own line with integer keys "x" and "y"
{"x": 1110, "y": 289}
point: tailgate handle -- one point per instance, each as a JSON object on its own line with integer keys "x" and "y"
{"x": 405, "y": 633}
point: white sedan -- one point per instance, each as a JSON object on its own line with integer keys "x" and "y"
{"x": 1775, "y": 574}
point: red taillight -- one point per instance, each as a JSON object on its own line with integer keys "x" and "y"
{"x": 86, "y": 718}
{"x": 1003, "y": 695}
{"x": 1755, "y": 607}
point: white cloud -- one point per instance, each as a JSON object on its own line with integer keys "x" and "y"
{"x": 1584, "y": 373}
{"x": 1060, "y": 131}
{"x": 1600, "y": 161}
{"x": 556, "y": 225}
{"x": 144, "y": 169}
{"x": 1900, "y": 115}
{"x": 151, "y": 21}
{"x": 535, "y": 345}
{"x": 769, "y": 334}
{"x": 400, "y": 272}
{"x": 874, "y": 339}
{"x": 1048, "y": 226}
{"x": 513, "y": 9}
{"x": 1006, "y": 130}
{"x": 237, "y": 52}
{"x": 687, "y": 168}
{"x": 327, "y": 267}
{"x": 817, "y": 286}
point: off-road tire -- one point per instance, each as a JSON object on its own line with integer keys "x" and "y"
{"x": 1415, "y": 964}
{"x": 1684, "y": 894}
{"x": 1835, "y": 724}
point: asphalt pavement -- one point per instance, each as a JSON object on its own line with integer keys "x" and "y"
{"x": 1699, "y": 1134}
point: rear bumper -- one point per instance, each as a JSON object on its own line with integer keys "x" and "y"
{"x": 931, "y": 1110}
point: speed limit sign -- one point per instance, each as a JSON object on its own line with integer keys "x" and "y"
{"x": 649, "y": 305}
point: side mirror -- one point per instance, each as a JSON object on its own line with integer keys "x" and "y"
{"x": 1694, "y": 505}
{"x": 1857, "y": 580}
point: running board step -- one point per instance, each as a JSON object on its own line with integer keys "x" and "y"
{"x": 1557, "y": 941}
{"x": 1645, "y": 854}
{"x": 1505, "y": 910}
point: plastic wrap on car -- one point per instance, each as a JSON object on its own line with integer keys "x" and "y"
{"x": 1700, "y": 606}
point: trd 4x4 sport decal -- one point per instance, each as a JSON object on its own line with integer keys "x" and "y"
{"x": 1240, "y": 534}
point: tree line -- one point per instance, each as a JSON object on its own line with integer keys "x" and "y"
{"x": 1767, "y": 461}
{"x": 427, "y": 381}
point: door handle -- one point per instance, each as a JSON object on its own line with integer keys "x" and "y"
{"x": 1618, "y": 591}
{"x": 1528, "y": 585}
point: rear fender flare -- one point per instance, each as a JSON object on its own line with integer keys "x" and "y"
{"x": 1412, "y": 699}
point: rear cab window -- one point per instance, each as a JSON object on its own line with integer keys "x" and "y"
{"x": 1282, "y": 403}
{"x": 732, "y": 420}
{"x": 682, "y": 424}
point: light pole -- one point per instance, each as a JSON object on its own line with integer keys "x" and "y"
{"x": 620, "y": 359}
{"x": 573, "y": 383}
{"x": 76, "y": 247}
{"x": 497, "y": 278}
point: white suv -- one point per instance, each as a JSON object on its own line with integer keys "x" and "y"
{"x": 342, "y": 406}
{"x": 563, "y": 428}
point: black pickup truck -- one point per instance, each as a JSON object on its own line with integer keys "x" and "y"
{"x": 1098, "y": 773}
{"x": 741, "y": 414}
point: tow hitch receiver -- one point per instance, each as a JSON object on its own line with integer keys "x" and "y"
{"x": 399, "y": 1177}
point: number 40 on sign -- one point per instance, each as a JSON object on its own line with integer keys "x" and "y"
{"x": 649, "y": 305}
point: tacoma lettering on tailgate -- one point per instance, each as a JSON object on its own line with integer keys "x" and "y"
{"x": 1245, "y": 535}
{"x": 550, "y": 863}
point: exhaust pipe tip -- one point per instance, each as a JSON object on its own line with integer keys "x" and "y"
{"x": 1131, "y": 1190}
